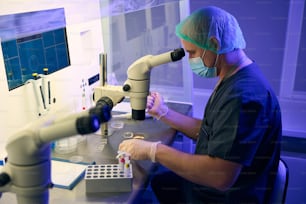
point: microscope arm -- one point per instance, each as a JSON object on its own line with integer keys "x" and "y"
{"x": 137, "y": 85}
{"x": 138, "y": 81}
{"x": 140, "y": 69}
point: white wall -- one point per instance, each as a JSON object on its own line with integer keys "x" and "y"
{"x": 18, "y": 107}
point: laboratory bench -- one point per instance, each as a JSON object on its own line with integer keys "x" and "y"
{"x": 103, "y": 150}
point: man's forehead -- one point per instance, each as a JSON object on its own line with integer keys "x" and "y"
{"x": 189, "y": 47}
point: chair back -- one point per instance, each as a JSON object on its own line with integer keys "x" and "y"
{"x": 279, "y": 190}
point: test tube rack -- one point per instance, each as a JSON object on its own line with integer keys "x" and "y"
{"x": 107, "y": 178}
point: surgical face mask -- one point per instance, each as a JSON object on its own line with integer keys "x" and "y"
{"x": 200, "y": 69}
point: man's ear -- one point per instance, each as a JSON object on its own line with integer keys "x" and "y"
{"x": 214, "y": 44}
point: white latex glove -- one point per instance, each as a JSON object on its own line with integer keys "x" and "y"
{"x": 139, "y": 149}
{"x": 156, "y": 106}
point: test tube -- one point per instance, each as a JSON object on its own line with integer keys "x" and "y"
{"x": 35, "y": 76}
{"x": 121, "y": 164}
{"x": 46, "y": 70}
{"x": 127, "y": 169}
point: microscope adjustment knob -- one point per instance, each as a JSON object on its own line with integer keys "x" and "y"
{"x": 126, "y": 87}
{"x": 4, "y": 179}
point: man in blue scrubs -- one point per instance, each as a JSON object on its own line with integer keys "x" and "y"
{"x": 238, "y": 139}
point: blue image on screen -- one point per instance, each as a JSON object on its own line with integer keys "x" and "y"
{"x": 31, "y": 54}
{"x": 32, "y": 41}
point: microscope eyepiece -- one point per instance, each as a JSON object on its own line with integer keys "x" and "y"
{"x": 88, "y": 124}
{"x": 177, "y": 54}
{"x": 102, "y": 109}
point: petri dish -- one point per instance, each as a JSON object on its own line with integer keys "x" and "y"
{"x": 117, "y": 124}
{"x": 128, "y": 135}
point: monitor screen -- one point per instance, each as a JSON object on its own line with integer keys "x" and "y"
{"x": 28, "y": 51}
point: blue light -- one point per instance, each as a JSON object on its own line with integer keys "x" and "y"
{"x": 95, "y": 123}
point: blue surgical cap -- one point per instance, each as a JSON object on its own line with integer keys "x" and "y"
{"x": 201, "y": 25}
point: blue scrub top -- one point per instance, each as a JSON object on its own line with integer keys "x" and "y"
{"x": 242, "y": 124}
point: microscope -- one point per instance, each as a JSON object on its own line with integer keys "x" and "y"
{"x": 137, "y": 85}
{"x": 27, "y": 172}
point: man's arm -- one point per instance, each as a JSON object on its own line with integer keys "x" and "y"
{"x": 185, "y": 124}
{"x": 201, "y": 169}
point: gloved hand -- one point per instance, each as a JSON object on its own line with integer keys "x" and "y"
{"x": 139, "y": 149}
{"x": 156, "y": 106}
